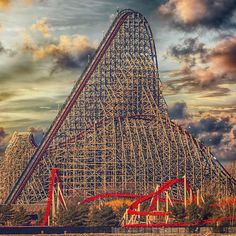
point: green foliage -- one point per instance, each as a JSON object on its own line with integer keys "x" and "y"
{"x": 195, "y": 212}
{"x": 194, "y": 215}
{"x": 21, "y": 217}
{"x": 6, "y": 214}
{"x": 74, "y": 215}
{"x": 178, "y": 212}
{"x": 103, "y": 216}
{"x": 207, "y": 210}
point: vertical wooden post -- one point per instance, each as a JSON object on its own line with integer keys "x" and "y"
{"x": 191, "y": 196}
{"x": 58, "y": 198}
{"x": 158, "y": 200}
{"x": 185, "y": 191}
{"x": 167, "y": 205}
{"x": 198, "y": 197}
{"x": 167, "y": 201}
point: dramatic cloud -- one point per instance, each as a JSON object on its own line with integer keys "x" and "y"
{"x": 188, "y": 51}
{"x": 210, "y": 124}
{"x": 4, "y": 4}
{"x": 41, "y": 26}
{"x": 223, "y": 57}
{"x": 204, "y": 68}
{"x": 8, "y": 52}
{"x": 188, "y": 14}
{"x": 221, "y": 63}
{"x": 67, "y": 52}
{"x": 178, "y": 111}
{"x": 212, "y": 139}
{"x": 232, "y": 135}
{"x": 215, "y": 130}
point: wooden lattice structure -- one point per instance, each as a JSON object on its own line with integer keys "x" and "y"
{"x": 20, "y": 149}
{"x": 114, "y": 133}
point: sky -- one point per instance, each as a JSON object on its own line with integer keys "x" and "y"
{"x": 44, "y": 46}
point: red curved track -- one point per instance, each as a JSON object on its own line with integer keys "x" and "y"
{"x": 155, "y": 195}
{"x": 54, "y": 175}
{"x": 133, "y": 208}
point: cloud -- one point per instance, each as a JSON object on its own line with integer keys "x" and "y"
{"x": 216, "y": 130}
{"x": 5, "y": 4}
{"x": 212, "y": 139}
{"x": 67, "y": 52}
{"x": 41, "y": 26}
{"x": 8, "y": 52}
{"x": 223, "y": 56}
{"x": 26, "y": 2}
{"x": 204, "y": 68}
{"x": 212, "y": 124}
{"x": 233, "y": 134}
{"x": 7, "y": 95}
{"x": 178, "y": 111}
{"x": 221, "y": 64}
{"x": 189, "y": 14}
{"x": 188, "y": 51}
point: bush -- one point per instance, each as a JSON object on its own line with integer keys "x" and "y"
{"x": 6, "y": 214}
{"x": 21, "y": 217}
{"x": 178, "y": 212}
{"x": 103, "y": 216}
{"x": 74, "y": 215}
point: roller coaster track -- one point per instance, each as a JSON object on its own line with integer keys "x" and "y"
{"x": 55, "y": 178}
{"x": 117, "y": 117}
{"x": 133, "y": 209}
{"x": 65, "y": 110}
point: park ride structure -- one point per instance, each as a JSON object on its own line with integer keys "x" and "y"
{"x": 114, "y": 134}
{"x": 151, "y": 210}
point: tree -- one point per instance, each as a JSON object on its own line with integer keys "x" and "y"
{"x": 103, "y": 216}
{"x": 178, "y": 212}
{"x": 208, "y": 211}
{"x": 73, "y": 216}
{"x": 194, "y": 215}
{"x": 6, "y": 214}
{"x": 21, "y": 217}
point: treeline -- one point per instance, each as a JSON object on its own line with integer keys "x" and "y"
{"x": 90, "y": 215}
{"x": 106, "y": 214}
{"x": 9, "y": 216}
{"x": 110, "y": 214}
{"x": 208, "y": 209}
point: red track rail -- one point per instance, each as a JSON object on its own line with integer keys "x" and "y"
{"x": 133, "y": 208}
{"x": 54, "y": 175}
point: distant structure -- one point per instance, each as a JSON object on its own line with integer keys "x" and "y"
{"x": 113, "y": 132}
{"x": 20, "y": 149}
